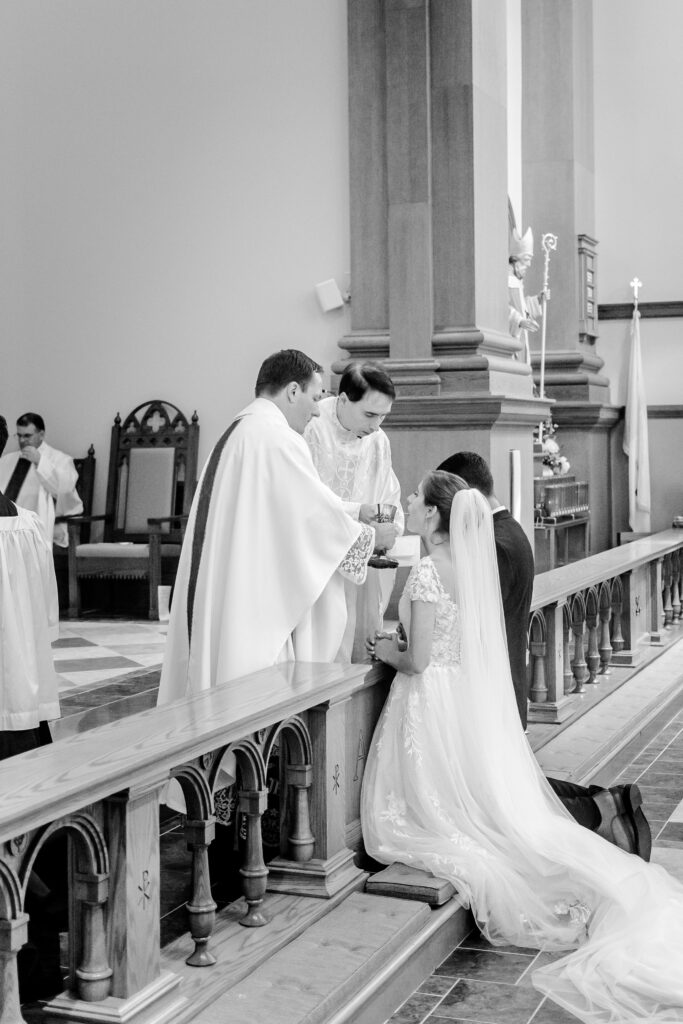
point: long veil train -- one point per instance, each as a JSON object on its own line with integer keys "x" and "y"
{"x": 473, "y": 806}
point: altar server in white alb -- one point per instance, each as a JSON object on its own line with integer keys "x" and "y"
{"x": 29, "y": 620}
{"x": 41, "y": 478}
{"x": 260, "y": 579}
{"x": 353, "y": 456}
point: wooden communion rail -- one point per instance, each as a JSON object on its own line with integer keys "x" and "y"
{"x": 104, "y": 787}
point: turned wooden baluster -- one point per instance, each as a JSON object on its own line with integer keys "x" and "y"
{"x": 592, "y": 619}
{"x": 13, "y": 935}
{"x": 93, "y": 976}
{"x": 617, "y": 606}
{"x": 666, "y": 591}
{"x": 201, "y": 908}
{"x": 676, "y": 585}
{"x": 579, "y": 667}
{"x": 605, "y": 647}
{"x": 538, "y": 648}
{"x": 253, "y": 803}
{"x": 539, "y": 689}
{"x": 301, "y": 840}
{"x": 567, "y": 674}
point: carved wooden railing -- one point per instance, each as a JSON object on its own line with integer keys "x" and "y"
{"x": 602, "y": 611}
{"x": 104, "y": 787}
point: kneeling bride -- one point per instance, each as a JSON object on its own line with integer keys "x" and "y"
{"x": 452, "y": 786}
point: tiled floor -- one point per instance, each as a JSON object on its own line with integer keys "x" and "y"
{"x": 90, "y": 653}
{"x": 487, "y": 985}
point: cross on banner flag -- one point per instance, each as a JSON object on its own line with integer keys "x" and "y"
{"x": 636, "y": 439}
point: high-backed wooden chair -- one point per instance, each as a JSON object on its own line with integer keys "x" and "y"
{"x": 152, "y": 477}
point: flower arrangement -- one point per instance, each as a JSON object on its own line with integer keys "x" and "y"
{"x": 554, "y": 463}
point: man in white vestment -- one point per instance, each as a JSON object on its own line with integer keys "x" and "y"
{"x": 524, "y": 309}
{"x": 41, "y": 478}
{"x": 260, "y": 576}
{"x": 29, "y": 620}
{"x": 353, "y": 457}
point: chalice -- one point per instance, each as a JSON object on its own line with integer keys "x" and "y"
{"x": 385, "y": 514}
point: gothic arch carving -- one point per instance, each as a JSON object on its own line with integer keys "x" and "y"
{"x": 10, "y": 894}
{"x": 196, "y": 790}
{"x": 298, "y": 739}
{"x": 91, "y": 848}
{"x": 250, "y": 760}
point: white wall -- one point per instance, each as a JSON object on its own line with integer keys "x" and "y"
{"x": 514, "y": 109}
{"x": 174, "y": 183}
{"x": 639, "y": 176}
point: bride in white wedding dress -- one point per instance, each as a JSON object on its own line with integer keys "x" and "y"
{"x": 452, "y": 786}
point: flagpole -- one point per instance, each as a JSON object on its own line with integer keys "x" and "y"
{"x": 548, "y": 244}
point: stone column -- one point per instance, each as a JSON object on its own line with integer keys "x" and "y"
{"x": 558, "y": 196}
{"x": 429, "y": 232}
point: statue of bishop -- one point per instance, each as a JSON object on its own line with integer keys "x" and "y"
{"x": 524, "y": 309}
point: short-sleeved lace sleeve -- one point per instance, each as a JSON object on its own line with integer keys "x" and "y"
{"x": 423, "y": 583}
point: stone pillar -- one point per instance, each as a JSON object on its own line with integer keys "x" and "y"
{"x": 429, "y": 232}
{"x": 558, "y": 196}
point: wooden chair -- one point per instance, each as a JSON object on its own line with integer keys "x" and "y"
{"x": 151, "y": 482}
{"x": 85, "y": 485}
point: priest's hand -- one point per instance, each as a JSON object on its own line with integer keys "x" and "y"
{"x": 385, "y": 535}
{"x": 528, "y": 325}
{"x": 31, "y": 454}
{"x": 367, "y": 514}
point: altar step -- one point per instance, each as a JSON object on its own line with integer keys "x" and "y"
{"x": 318, "y": 963}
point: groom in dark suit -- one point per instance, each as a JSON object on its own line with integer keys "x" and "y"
{"x": 615, "y": 813}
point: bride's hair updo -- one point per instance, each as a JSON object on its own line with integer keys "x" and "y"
{"x": 439, "y": 488}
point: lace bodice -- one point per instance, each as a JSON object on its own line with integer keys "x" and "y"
{"x": 423, "y": 584}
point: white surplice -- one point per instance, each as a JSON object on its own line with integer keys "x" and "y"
{"x": 268, "y": 587}
{"x": 30, "y": 622}
{"x": 358, "y": 470}
{"x": 49, "y": 489}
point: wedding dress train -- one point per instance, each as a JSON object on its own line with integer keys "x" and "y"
{"x": 451, "y": 786}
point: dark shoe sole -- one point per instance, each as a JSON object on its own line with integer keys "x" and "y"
{"x": 633, "y": 800}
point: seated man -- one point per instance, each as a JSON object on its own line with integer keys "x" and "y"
{"x": 353, "y": 457}
{"x": 41, "y": 478}
{"x": 616, "y": 813}
{"x": 29, "y": 620}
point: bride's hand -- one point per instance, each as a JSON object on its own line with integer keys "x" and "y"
{"x": 381, "y": 645}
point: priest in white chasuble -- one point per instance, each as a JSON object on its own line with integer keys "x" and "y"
{"x": 267, "y": 545}
{"x": 353, "y": 456}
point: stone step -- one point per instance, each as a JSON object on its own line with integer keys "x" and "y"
{"x": 355, "y": 964}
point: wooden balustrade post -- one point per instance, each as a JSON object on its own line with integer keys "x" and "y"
{"x": 93, "y": 975}
{"x": 636, "y": 615}
{"x": 567, "y": 674}
{"x": 137, "y": 986}
{"x": 616, "y": 635}
{"x": 676, "y": 585}
{"x": 605, "y": 647}
{"x": 579, "y": 667}
{"x": 333, "y": 869}
{"x": 201, "y": 908}
{"x": 665, "y": 591}
{"x": 538, "y": 691}
{"x": 301, "y": 840}
{"x": 592, "y": 654}
{"x": 13, "y": 935}
{"x": 253, "y": 803}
